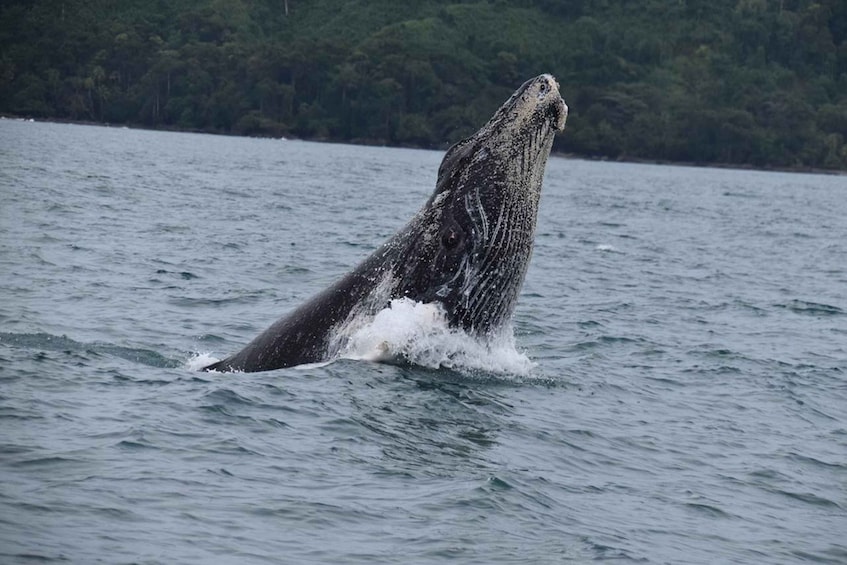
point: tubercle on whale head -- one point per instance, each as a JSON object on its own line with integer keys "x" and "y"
{"x": 536, "y": 107}
{"x": 539, "y": 95}
{"x": 548, "y": 88}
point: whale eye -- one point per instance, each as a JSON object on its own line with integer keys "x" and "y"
{"x": 543, "y": 88}
{"x": 450, "y": 238}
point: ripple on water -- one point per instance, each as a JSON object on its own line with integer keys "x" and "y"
{"x": 685, "y": 402}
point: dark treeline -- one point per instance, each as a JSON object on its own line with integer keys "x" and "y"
{"x": 754, "y": 82}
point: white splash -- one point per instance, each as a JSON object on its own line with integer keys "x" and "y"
{"x": 418, "y": 333}
{"x": 607, "y": 248}
{"x": 200, "y": 360}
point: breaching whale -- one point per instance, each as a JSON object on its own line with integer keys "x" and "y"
{"x": 467, "y": 249}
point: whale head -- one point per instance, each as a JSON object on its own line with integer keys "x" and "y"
{"x": 469, "y": 247}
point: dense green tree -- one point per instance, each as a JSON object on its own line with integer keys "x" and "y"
{"x": 749, "y": 82}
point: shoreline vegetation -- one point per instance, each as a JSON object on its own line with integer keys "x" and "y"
{"x": 444, "y": 147}
{"x": 750, "y": 84}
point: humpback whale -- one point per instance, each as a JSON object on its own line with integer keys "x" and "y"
{"x": 467, "y": 249}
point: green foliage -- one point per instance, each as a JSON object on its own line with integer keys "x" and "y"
{"x": 749, "y": 82}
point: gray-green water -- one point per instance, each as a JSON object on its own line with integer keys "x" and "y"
{"x": 688, "y": 402}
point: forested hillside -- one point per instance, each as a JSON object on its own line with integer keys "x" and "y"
{"x": 752, "y": 82}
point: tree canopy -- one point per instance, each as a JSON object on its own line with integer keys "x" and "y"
{"x": 747, "y": 82}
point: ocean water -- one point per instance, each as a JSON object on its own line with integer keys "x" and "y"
{"x": 676, "y": 391}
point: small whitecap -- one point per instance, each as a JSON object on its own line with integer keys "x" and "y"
{"x": 308, "y": 366}
{"x": 605, "y": 247}
{"x": 199, "y": 360}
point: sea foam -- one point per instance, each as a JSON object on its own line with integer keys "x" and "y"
{"x": 199, "y": 360}
{"x": 418, "y": 333}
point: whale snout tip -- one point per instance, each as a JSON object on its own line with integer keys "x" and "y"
{"x": 559, "y": 110}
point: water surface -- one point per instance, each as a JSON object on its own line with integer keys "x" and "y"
{"x": 688, "y": 402}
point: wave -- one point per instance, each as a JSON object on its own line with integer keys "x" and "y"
{"x": 49, "y": 342}
{"x": 810, "y": 308}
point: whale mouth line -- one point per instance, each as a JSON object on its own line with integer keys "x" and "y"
{"x": 556, "y": 109}
{"x": 558, "y": 115}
